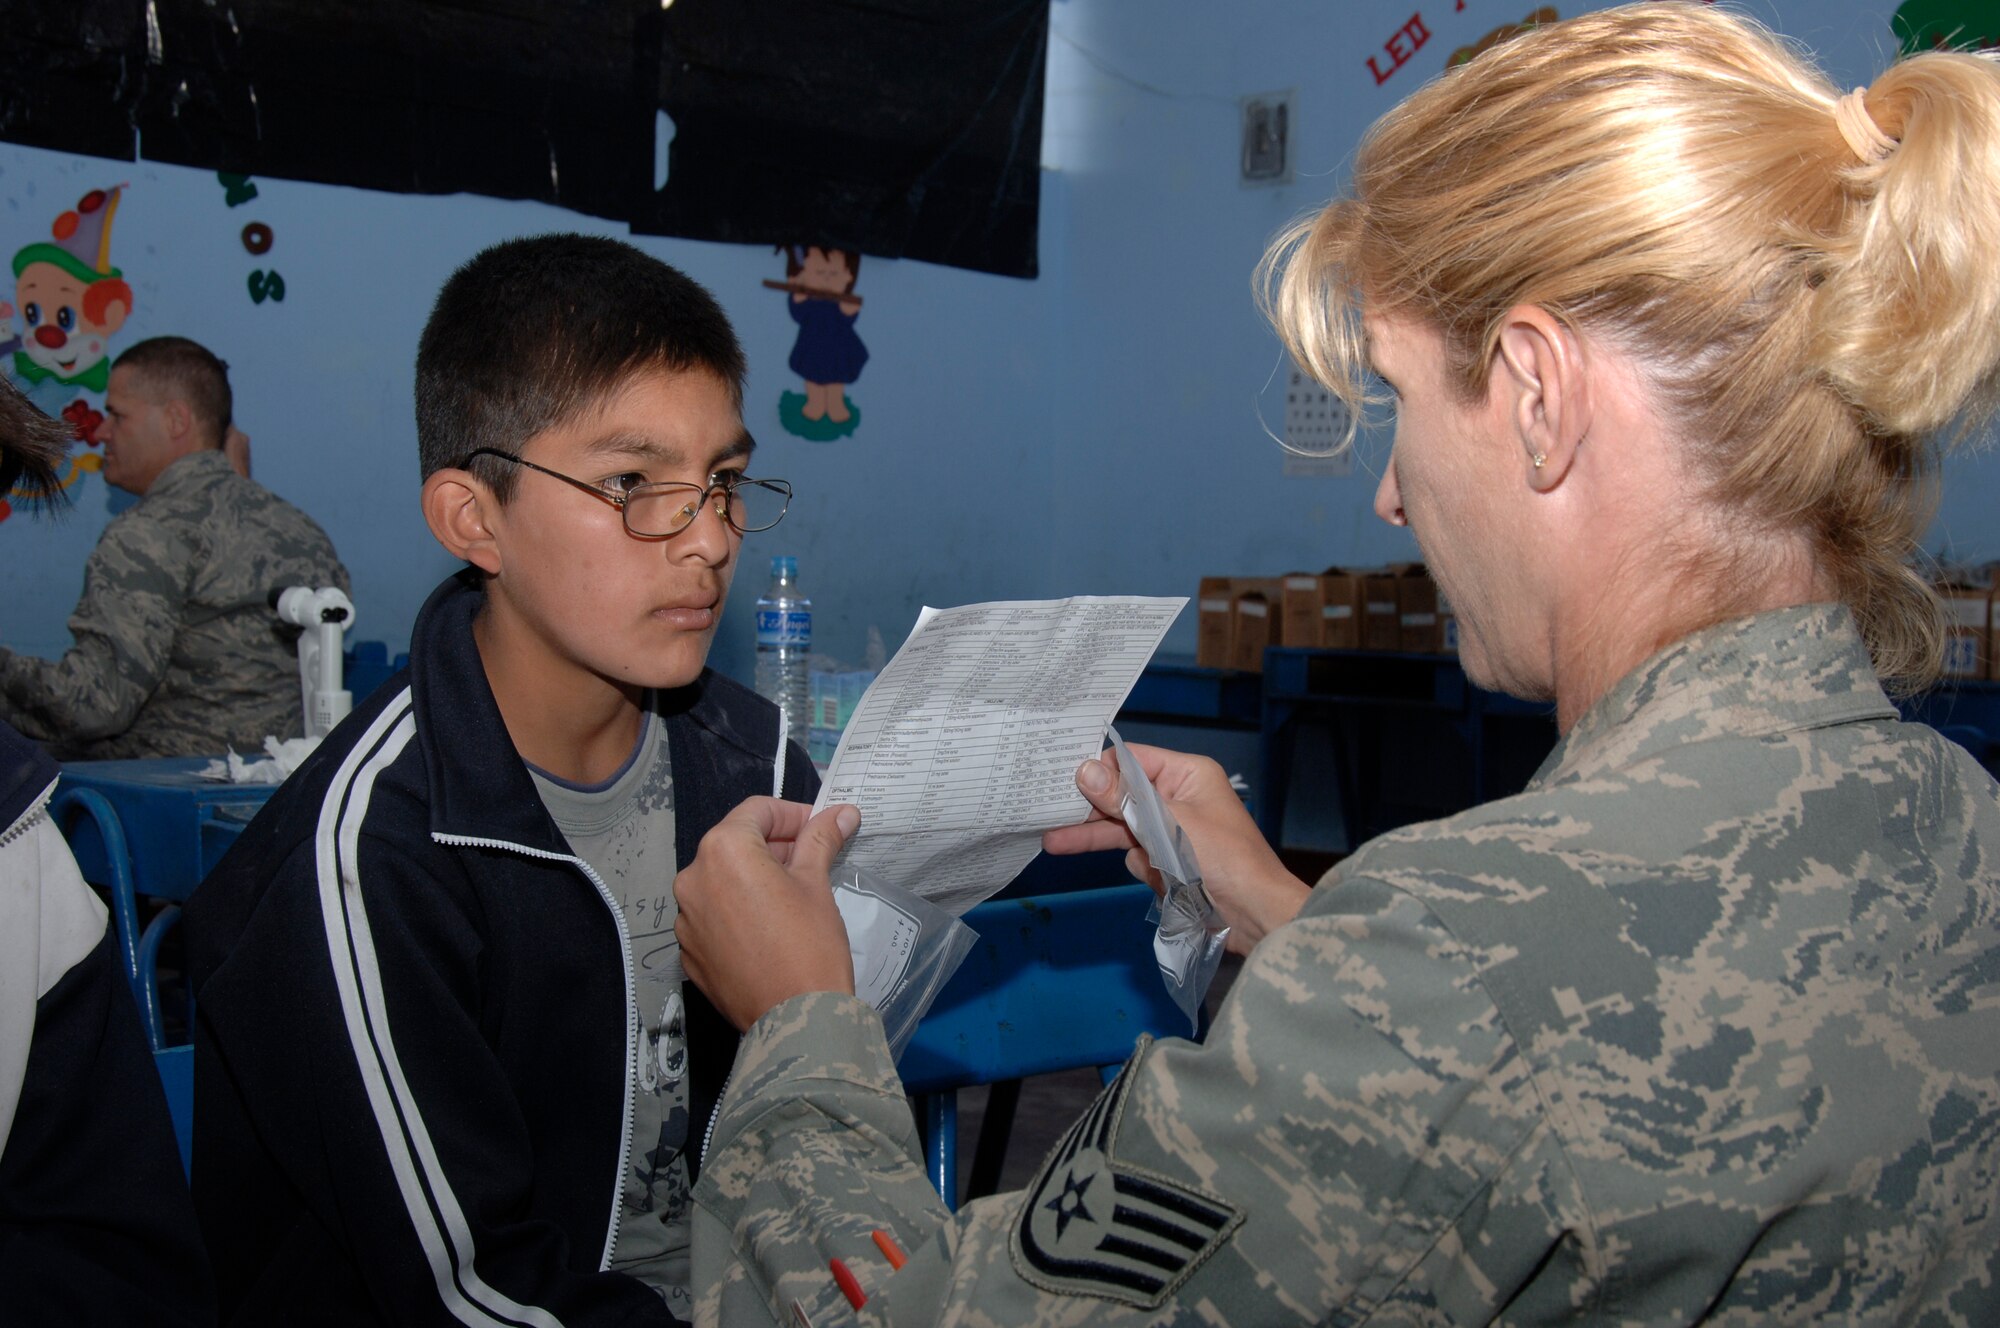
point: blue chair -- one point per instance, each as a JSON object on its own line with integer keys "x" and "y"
{"x": 151, "y": 829}
{"x": 1055, "y": 982}
{"x": 176, "y": 1067}
{"x": 88, "y": 821}
{"x": 366, "y": 665}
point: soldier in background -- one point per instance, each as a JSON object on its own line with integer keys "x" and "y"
{"x": 1704, "y": 1026}
{"x": 177, "y": 650}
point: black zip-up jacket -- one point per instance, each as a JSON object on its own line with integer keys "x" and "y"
{"x": 95, "y": 1223}
{"x": 415, "y": 1031}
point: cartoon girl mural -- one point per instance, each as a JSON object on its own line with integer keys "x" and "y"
{"x": 827, "y": 355}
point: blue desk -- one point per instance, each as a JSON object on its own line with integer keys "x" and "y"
{"x": 1176, "y": 690}
{"x": 173, "y": 820}
{"x": 1468, "y": 745}
{"x": 1413, "y": 718}
{"x": 153, "y": 828}
{"x": 1967, "y": 712}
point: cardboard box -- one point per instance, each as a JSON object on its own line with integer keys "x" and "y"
{"x": 1381, "y": 611}
{"x": 1323, "y": 610}
{"x": 1258, "y": 619}
{"x": 1419, "y": 626}
{"x": 1300, "y": 618}
{"x": 1968, "y": 620}
{"x": 1215, "y": 616}
{"x": 1340, "y": 610}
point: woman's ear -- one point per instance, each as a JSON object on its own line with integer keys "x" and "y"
{"x": 458, "y": 508}
{"x": 1542, "y": 365}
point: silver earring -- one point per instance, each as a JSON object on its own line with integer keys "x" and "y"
{"x": 1540, "y": 457}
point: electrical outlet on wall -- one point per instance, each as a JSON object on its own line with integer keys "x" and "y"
{"x": 1269, "y": 119}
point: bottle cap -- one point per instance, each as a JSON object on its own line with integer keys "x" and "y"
{"x": 784, "y": 565}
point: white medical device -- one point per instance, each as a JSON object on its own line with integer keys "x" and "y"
{"x": 323, "y": 616}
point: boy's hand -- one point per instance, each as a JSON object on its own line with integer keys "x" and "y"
{"x": 1250, "y": 887}
{"x": 757, "y": 922}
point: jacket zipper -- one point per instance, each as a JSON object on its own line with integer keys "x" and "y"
{"x": 631, "y": 1012}
{"x": 37, "y": 812}
{"x": 708, "y": 1135}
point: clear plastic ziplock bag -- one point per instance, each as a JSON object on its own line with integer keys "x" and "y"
{"x": 905, "y": 948}
{"x": 1189, "y": 942}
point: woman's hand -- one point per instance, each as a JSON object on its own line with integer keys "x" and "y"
{"x": 1250, "y": 887}
{"x": 757, "y": 923}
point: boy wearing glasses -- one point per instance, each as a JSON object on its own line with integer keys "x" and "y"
{"x": 447, "y": 1067}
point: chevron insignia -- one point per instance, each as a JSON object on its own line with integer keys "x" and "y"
{"x": 1093, "y": 1226}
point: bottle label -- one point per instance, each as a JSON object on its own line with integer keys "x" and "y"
{"x": 784, "y": 627}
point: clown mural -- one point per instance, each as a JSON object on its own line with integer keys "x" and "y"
{"x": 1968, "y": 25}
{"x": 70, "y": 301}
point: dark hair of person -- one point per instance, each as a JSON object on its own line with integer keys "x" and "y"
{"x": 795, "y": 260}
{"x": 533, "y": 331}
{"x": 176, "y": 369}
{"x": 32, "y": 447}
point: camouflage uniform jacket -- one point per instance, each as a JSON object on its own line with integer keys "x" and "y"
{"x": 177, "y": 650}
{"x": 1703, "y": 1026}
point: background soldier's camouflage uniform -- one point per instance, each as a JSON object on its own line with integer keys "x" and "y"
{"x": 1703, "y": 1026}
{"x": 178, "y": 652}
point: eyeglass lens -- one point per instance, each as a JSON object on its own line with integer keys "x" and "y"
{"x": 667, "y": 511}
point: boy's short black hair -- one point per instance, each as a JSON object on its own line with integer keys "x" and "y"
{"x": 531, "y": 331}
{"x": 182, "y": 370}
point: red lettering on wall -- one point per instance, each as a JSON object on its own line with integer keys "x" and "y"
{"x": 1404, "y": 43}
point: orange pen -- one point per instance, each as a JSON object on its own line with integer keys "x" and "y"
{"x": 890, "y": 1249}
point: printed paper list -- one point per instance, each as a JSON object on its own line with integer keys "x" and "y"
{"x": 966, "y": 747}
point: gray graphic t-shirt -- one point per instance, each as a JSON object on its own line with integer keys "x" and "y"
{"x": 624, "y": 828}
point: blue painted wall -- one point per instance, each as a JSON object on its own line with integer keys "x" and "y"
{"x": 1094, "y": 431}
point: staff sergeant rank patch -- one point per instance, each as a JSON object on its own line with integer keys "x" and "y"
{"x": 1093, "y": 1227}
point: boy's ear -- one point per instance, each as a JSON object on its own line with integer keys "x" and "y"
{"x": 456, "y": 508}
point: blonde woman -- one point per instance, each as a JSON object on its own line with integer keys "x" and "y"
{"x": 1705, "y": 1025}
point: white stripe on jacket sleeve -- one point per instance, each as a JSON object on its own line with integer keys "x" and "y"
{"x": 433, "y": 1209}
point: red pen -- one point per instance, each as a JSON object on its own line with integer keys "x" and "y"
{"x": 845, "y": 1280}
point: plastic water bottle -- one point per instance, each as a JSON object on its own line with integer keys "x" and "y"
{"x": 784, "y": 643}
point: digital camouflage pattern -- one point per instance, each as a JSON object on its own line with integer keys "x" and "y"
{"x": 177, "y": 650}
{"x": 1702, "y": 1027}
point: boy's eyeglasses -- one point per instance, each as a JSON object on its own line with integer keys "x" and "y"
{"x": 655, "y": 511}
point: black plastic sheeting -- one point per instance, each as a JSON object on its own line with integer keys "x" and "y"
{"x": 69, "y": 74}
{"x": 903, "y": 128}
{"x": 907, "y": 128}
